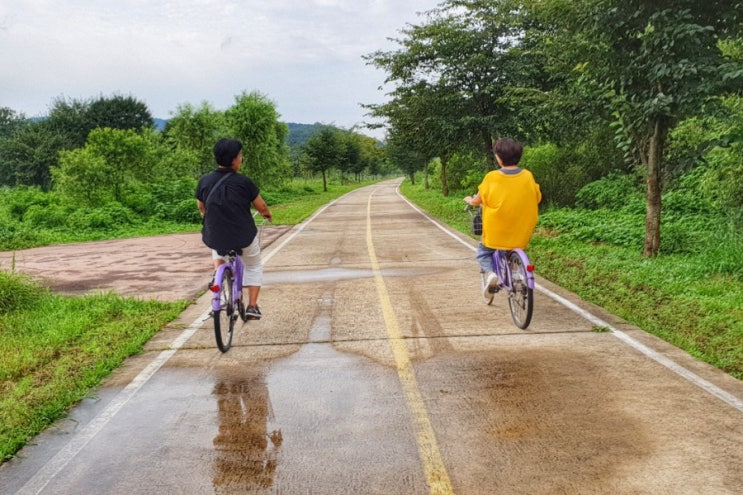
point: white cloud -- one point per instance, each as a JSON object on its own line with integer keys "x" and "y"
{"x": 304, "y": 55}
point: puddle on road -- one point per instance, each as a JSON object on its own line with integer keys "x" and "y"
{"x": 315, "y": 412}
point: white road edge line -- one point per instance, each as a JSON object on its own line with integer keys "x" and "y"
{"x": 51, "y": 469}
{"x": 711, "y": 388}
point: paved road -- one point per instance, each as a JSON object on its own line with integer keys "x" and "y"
{"x": 377, "y": 370}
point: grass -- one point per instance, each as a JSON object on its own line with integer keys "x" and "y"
{"x": 56, "y": 349}
{"x": 692, "y": 300}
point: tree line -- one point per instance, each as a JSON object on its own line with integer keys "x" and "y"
{"x": 649, "y": 90}
{"x": 100, "y": 166}
{"x": 92, "y": 150}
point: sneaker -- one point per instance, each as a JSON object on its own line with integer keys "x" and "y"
{"x": 253, "y": 313}
{"x": 491, "y": 284}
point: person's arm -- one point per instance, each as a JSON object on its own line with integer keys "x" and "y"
{"x": 260, "y": 205}
{"x": 475, "y": 200}
{"x": 202, "y": 207}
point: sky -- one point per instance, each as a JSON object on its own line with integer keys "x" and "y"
{"x": 304, "y": 55}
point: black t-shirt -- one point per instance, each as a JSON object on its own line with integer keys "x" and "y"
{"x": 228, "y": 223}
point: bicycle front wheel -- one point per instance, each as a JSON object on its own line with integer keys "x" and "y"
{"x": 520, "y": 297}
{"x": 224, "y": 319}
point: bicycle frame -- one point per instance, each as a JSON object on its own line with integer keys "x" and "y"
{"x": 236, "y": 266}
{"x": 227, "y": 301}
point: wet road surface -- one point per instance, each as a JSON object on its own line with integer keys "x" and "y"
{"x": 378, "y": 370}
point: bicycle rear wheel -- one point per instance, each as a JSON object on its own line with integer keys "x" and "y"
{"x": 520, "y": 297}
{"x": 224, "y": 319}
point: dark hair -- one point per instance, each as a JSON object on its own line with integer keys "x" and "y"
{"x": 226, "y": 150}
{"x": 509, "y": 150}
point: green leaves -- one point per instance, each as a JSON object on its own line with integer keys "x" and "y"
{"x": 254, "y": 120}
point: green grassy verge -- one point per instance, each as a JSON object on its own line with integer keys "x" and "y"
{"x": 685, "y": 299}
{"x": 55, "y": 349}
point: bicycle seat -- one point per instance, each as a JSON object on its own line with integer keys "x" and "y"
{"x": 229, "y": 252}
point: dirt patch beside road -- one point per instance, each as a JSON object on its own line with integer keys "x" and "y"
{"x": 167, "y": 268}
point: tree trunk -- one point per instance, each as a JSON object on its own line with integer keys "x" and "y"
{"x": 426, "y": 185}
{"x": 412, "y": 178}
{"x": 324, "y": 182}
{"x": 444, "y": 183}
{"x": 489, "y": 154}
{"x": 654, "y": 167}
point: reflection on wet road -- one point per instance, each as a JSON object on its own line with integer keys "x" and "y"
{"x": 248, "y": 441}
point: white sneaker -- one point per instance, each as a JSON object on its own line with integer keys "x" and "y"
{"x": 491, "y": 282}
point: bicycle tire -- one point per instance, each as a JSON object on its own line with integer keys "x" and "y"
{"x": 224, "y": 318}
{"x": 520, "y": 297}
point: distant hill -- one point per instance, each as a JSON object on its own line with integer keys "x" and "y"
{"x": 300, "y": 133}
{"x": 160, "y": 123}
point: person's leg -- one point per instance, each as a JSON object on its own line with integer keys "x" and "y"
{"x": 485, "y": 258}
{"x": 252, "y": 271}
{"x": 217, "y": 260}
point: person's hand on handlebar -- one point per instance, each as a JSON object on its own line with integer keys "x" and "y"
{"x": 473, "y": 200}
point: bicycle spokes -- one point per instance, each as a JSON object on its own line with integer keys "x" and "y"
{"x": 521, "y": 295}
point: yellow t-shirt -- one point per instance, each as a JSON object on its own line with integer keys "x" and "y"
{"x": 509, "y": 209}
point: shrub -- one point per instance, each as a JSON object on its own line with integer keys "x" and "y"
{"x": 184, "y": 211}
{"x": 615, "y": 191}
{"x": 51, "y": 216}
{"x": 18, "y": 291}
{"x": 18, "y": 200}
{"x": 558, "y": 178}
{"x": 110, "y": 216}
{"x": 15, "y": 235}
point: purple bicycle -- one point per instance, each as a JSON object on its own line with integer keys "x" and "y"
{"x": 516, "y": 277}
{"x": 227, "y": 295}
{"x": 227, "y": 299}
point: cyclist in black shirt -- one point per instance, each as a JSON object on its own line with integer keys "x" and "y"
{"x": 224, "y": 198}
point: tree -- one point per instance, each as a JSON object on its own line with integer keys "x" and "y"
{"x": 10, "y": 121}
{"x": 406, "y": 159}
{"x": 111, "y": 161}
{"x": 350, "y": 161}
{"x": 372, "y": 156}
{"x": 69, "y": 120}
{"x": 193, "y": 131}
{"x": 254, "y": 120}
{"x": 655, "y": 62}
{"x": 27, "y": 156}
{"x": 119, "y": 112}
{"x": 323, "y": 151}
{"x": 466, "y": 76}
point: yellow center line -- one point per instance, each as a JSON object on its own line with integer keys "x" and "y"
{"x": 428, "y": 449}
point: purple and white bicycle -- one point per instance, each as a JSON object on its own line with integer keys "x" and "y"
{"x": 227, "y": 299}
{"x": 227, "y": 295}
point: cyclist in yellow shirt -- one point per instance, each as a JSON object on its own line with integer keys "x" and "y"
{"x": 509, "y": 197}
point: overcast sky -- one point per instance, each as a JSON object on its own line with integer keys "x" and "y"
{"x": 304, "y": 55}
